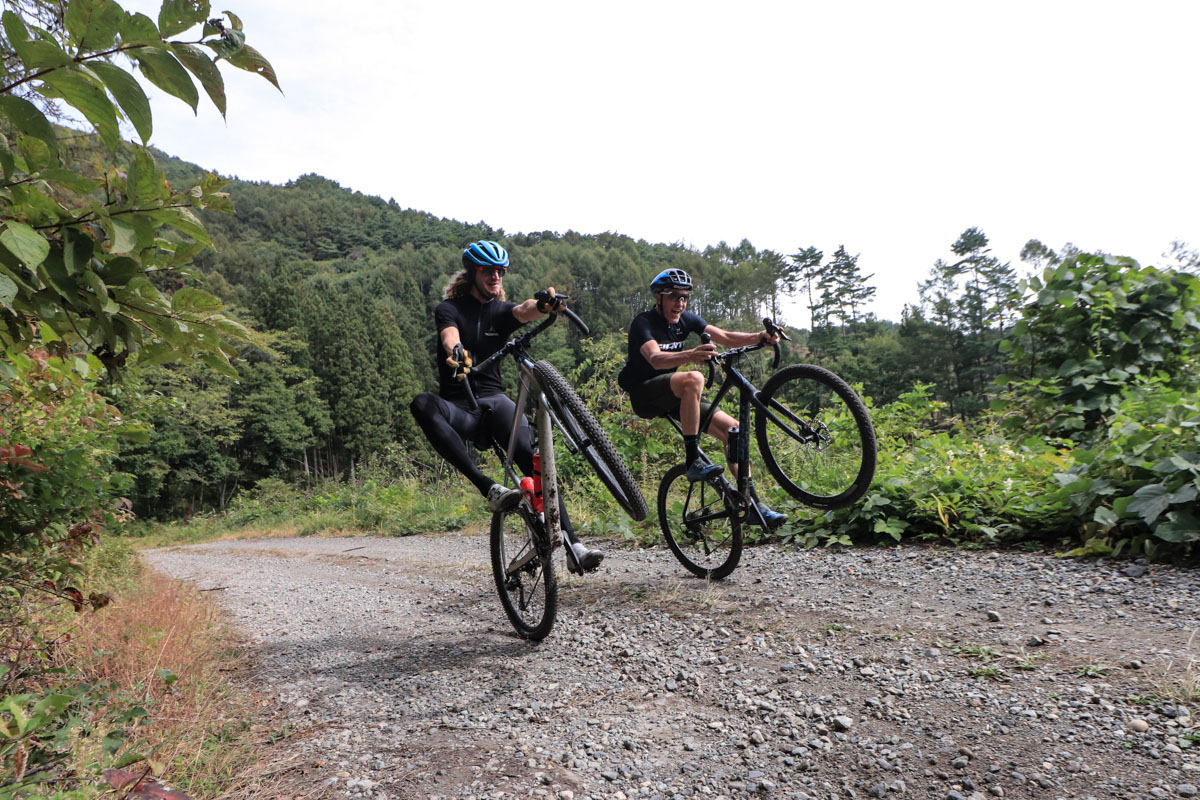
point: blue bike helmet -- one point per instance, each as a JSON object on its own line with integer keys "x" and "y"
{"x": 485, "y": 254}
{"x": 670, "y": 279}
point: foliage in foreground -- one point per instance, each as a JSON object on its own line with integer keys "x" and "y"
{"x": 140, "y": 681}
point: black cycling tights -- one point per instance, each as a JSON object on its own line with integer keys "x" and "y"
{"x": 448, "y": 426}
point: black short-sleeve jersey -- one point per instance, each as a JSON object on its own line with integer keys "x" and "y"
{"x": 483, "y": 329}
{"x": 653, "y": 325}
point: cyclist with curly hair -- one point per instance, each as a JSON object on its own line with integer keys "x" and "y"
{"x": 473, "y": 322}
{"x": 656, "y": 388}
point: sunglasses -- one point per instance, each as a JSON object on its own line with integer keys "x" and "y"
{"x": 673, "y": 297}
{"x": 493, "y": 270}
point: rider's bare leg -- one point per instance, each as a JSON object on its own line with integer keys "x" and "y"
{"x": 688, "y": 387}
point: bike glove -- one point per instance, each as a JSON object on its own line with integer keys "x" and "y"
{"x": 460, "y": 362}
{"x": 547, "y": 300}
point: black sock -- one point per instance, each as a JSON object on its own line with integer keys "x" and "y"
{"x": 691, "y": 447}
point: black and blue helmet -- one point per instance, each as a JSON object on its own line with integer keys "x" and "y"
{"x": 485, "y": 253}
{"x": 670, "y": 279}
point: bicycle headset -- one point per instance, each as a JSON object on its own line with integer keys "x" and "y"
{"x": 485, "y": 253}
{"x": 670, "y": 279}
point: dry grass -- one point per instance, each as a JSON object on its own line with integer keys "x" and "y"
{"x": 162, "y": 646}
{"x": 1179, "y": 682}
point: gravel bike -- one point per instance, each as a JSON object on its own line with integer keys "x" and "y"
{"x": 524, "y": 538}
{"x": 815, "y": 437}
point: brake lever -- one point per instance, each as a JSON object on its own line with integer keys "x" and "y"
{"x": 772, "y": 328}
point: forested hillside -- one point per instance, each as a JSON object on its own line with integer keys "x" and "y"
{"x": 341, "y": 287}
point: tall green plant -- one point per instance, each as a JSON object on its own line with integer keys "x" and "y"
{"x": 82, "y": 246}
{"x": 1095, "y": 324}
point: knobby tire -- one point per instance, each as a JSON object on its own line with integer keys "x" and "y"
{"x": 701, "y": 527}
{"x": 593, "y": 442}
{"x": 530, "y": 596}
{"x": 836, "y": 464}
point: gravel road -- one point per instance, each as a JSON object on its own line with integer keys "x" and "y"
{"x": 900, "y": 673}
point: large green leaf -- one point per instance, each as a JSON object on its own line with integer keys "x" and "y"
{"x": 176, "y": 16}
{"x": 140, "y": 29}
{"x": 35, "y": 54}
{"x": 69, "y": 179}
{"x": 26, "y": 117}
{"x": 119, "y": 271}
{"x": 89, "y": 97}
{"x": 164, "y": 71}
{"x": 205, "y": 70}
{"x": 1152, "y": 500}
{"x": 8, "y": 291}
{"x": 93, "y": 24}
{"x": 1181, "y": 526}
{"x": 129, "y": 96}
{"x": 77, "y": 248}
{"x": 251, "y": 60}
{"x": 156, "y": 353}
{"x": 7, "y": 162}
{"x": 104, "y": 303}
{"x": 144, "y": 182}
{"x": 35, "y": 156}
{"x": 192, "y": 300}
{"x": 29, "y": 246}
{"x": 122, "y": 236}
{"x": 183, "y": 220}
{"x": 53, "y": 272}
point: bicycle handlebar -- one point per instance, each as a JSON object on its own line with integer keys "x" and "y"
{"x": 769, "y": 325}
{"x": 519, "y": 343}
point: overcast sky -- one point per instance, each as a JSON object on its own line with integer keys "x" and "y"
{"x": 887, "y": 127}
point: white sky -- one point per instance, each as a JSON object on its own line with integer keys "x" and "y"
{"x": 889, "y": 127}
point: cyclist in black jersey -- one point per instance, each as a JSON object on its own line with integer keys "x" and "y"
{"x": 476, "y": 315}
{"x": 656, "y": 349}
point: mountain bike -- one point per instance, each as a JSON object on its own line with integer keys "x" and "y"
{"x": 523, "y": 539}
{"x": 814, "y": 434}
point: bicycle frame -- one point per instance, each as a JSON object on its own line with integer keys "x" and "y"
{"x": 544, "y": 423}
{"x": 748, "y": 398}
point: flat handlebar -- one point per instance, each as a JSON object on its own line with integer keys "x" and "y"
{"x": 769, "y": 325}
{"x": 519, "y": 343}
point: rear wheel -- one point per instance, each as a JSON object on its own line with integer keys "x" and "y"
{"x": 524, "y": 574}
{"x": 588, "y": 438}
{"x": 701, "y": 527}
{"x": 815, "y": 436}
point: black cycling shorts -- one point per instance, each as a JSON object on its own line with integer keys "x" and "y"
{"x": 654, "y": 398}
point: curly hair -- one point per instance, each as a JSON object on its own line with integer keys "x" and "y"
{"x": 461, "y": 284}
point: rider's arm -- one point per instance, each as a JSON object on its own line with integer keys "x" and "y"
{"x": 738, "y": 339}
{"x": 527, "y": 311}
{"x": 449, "y": 339}
{"x": 661, "y": 360}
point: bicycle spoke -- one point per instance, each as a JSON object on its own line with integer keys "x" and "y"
{"x": 524, "y": 575}
{"x": 702, "y": 529}
{"x": 816, "y": 437}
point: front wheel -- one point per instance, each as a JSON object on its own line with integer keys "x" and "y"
{"x": 815, "y": 436}
{"x": 524, "y": 573}
{"x": 588, "y": 438}
{"x": 701, "y": 525}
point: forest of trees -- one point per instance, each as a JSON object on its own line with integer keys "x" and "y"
{"x": 339, "y": 290}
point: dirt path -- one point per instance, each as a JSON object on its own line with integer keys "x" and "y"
{"x": 907, "y": 672}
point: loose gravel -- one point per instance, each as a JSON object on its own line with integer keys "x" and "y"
{"x": 888, "y": 673}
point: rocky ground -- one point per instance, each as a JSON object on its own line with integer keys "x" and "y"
{"x": 894, "y": 673}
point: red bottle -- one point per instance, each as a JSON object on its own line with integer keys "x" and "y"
{"x": 537, "y": 482}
